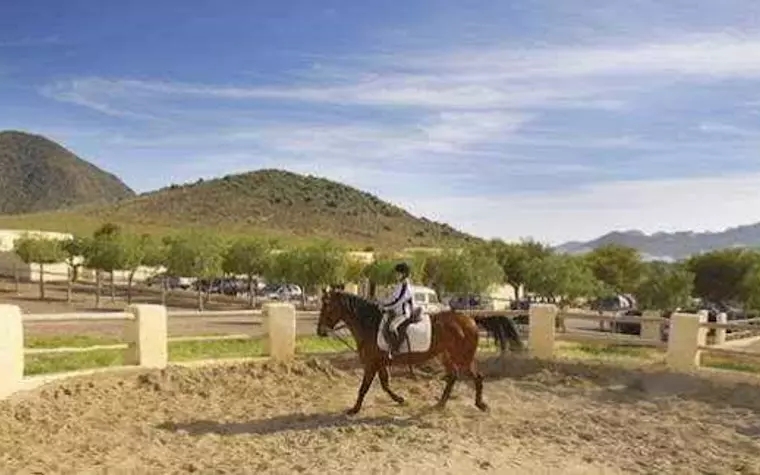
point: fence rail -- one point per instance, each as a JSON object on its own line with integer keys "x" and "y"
{"x": 146, "y": 339}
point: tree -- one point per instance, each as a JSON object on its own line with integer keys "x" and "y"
{"x": 104, "y": 253}
{"x": 135, "y": 251}
{"x": 379, "y": 273}
{"x": 317, "y": 265}
{"x": 195, "y": 254}
{"x": 618, "y": 267}
{"x": 720, "y": 276}
{"x": 249, "y": 256}
{"x": 665, "y": 287}
{"x": 471, "y": 271}
{"x": 41, "y": 251}
{"x": 563, "y": 277}
{"x": 516, "y": 259}
{"x": 106, "y": 235}
{"x": 155, "y": 256}
{"x": 74, "y": 249}
{"x": 750, "y": 289}
{"x": 354, "y": 269}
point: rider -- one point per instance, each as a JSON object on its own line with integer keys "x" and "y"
{"x": 400, "y": 305}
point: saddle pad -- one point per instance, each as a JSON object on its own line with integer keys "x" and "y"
{"x": 419, "y": 333}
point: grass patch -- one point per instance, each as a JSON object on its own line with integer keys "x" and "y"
{"x": 732, "y": 364}
{"x": 178, "y": 351}
{"x": 60, "y": 363}
{"x": 68, "y": 341}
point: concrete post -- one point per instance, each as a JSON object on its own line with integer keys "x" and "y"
{"x": 720, "y": 333}
{"x": 651, "y": 329}
{"x": 146, "y": 336}
{"x": 352, "y": 287}
{"x": 280, "y": 324}
{"x": 541, "y": 324}
{"x": 686, "y": 336}
{"x": 11, "y": 349}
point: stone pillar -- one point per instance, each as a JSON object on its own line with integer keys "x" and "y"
{"x": 541, "y": 322}
{"x": 11, "y": 349}
{"x": 651, "y": 329}
{"x": 686, "y": 336}
{"x": 720, "y": 333}
{"x": 147, "y": 337}
{"x": 280, "y": 323}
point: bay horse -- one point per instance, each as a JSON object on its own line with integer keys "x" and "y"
{"x": 453, "y": 338}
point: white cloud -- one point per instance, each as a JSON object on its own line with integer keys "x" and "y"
{"x": 466, "y": 106}
{"x": 499, "y": 77}
{"x": 659, "y": 205}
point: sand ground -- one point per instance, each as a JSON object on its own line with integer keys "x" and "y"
{"x": 563, "y": 418}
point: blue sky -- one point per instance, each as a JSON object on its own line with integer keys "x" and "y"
{"x": 557, "y": 120}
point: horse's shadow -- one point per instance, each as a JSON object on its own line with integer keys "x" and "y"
{"x": 287, "y": 422}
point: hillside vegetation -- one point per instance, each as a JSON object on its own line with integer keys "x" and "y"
{"x": 37, "y": 174}
{"x": 266, "y": 202}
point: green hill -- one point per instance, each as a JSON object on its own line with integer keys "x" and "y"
{"x": 37, "y": 174}
{"x": 266, "y": 202}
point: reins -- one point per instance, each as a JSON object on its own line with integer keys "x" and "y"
{"x": 335, "y": 334}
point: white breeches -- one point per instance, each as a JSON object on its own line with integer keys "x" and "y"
{"x": 396, "y": 320}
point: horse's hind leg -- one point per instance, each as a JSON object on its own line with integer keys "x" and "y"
{"x": 477, "y": 376}
{"x": 384, "y": 382}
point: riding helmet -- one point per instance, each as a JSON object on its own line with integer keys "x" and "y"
{"x": 402, "y": 268}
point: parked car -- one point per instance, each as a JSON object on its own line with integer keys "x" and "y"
{"x": 427, "y": 299}
{"x": 282, "y": 292}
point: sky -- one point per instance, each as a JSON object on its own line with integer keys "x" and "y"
{"x": 511, "y": 119}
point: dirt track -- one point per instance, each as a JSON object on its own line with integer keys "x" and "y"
{"x": 565, "y": 419}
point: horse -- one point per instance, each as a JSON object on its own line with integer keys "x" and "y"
{"x": 448, "y": 335}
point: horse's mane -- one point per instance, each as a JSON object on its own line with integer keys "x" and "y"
{"x": 368, "y": 314}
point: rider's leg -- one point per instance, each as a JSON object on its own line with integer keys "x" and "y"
{"x": 394, "y": 327}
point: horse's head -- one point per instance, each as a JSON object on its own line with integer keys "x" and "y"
{"x": 330, "y": 311}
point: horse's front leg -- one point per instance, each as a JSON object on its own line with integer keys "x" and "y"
{"x": 384, "y": 382}
{"x": 369, "y": 376}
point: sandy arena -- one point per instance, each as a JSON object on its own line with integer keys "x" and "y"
{"x": 564, "y": 418}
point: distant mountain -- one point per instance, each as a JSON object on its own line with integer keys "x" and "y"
{"x": 672, "y": 246}
{"x": 37, "y": 174}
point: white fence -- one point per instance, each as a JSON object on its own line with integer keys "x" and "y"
{"x": 146, "y": 339}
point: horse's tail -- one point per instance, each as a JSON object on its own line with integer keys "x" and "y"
{"x": 503, "y": 330}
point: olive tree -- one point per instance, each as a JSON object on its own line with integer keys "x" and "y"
{"x": 249, "y": 256}
{"x": 195, "y": 254}
{"x": 562, "y": 277}
{"x": 665, "y": 287}
{"x": 40, "y": 251}
{"x": 470, "y": 271}
{"x": 74, "y": 249}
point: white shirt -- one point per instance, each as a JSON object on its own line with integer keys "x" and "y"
{"x": 400, "y": 302}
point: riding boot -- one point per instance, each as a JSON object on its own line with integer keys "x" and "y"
{"x": 393, "y": 344}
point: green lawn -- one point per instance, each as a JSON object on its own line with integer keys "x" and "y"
{"x": 178, "y": 351}
{"x": 612, "y": 353}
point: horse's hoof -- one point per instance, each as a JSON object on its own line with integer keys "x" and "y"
{"x": 482, "y": 406}
{"x": 399, "y": 400}
{"x": 353, "y": 411}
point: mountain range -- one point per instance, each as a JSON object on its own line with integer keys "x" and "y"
{"x": 672, "y": 246}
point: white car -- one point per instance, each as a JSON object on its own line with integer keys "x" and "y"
{"x": 427, "y": 299}
{"x": 285, "y": 292}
